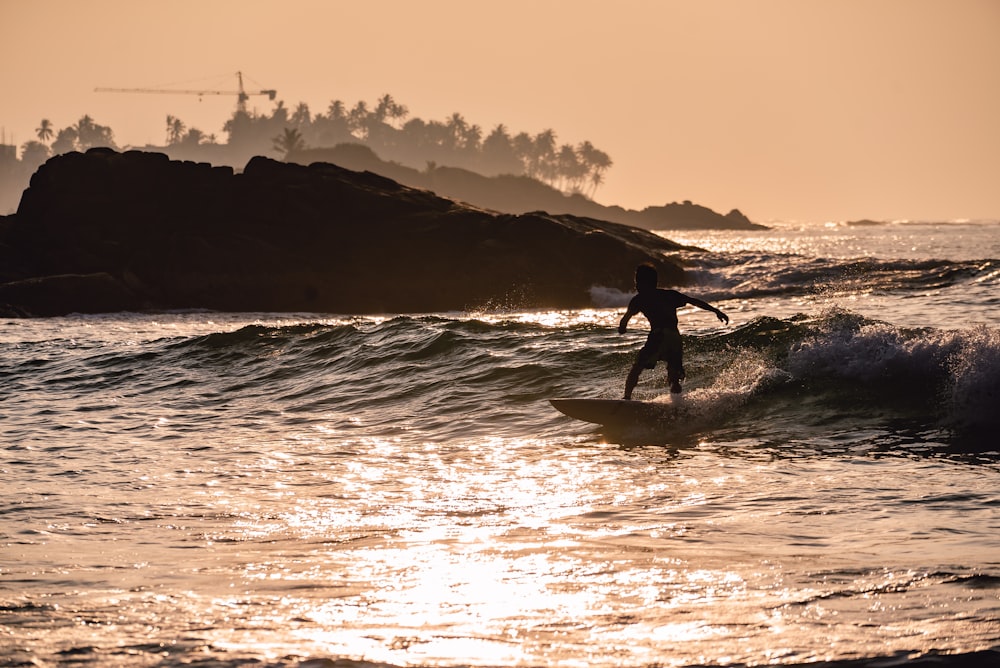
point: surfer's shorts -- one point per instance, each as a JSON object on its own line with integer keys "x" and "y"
{"x": 665, "y": 345}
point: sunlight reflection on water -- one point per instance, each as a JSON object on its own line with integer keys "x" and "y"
{"x": 188, "y": 510}
{"x": 838, "y": 240}
{"x": 494, "y": 553}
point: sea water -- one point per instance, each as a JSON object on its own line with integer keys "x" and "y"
{"x": 223, "y": 489}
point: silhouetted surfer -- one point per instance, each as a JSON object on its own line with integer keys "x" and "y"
{"x": 664, "y": 340}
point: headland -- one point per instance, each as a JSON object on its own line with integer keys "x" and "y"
{"x": 104, "y": 231}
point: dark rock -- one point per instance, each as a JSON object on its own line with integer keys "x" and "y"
{"x": 107, "y": 231}
{"x": 686, "y": 215}
{"x": 67, "y": 293}
{"x": 521, "y": 194}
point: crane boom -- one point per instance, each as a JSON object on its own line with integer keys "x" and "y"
{"x": 241, "y": 95}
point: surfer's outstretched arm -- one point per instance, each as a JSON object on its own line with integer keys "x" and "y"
{"x": 708, "y": 307}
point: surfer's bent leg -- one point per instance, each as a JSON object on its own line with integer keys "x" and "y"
{"x": 652, "y": 350}
{"x": 632, "y": 380}
{"x": 646, "y": 359}
{"x": 674, "y": 355}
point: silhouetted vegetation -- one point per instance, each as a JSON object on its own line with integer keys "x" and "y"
{"x": 289, "y": 141}
{"x": 83, "y": 135}
{"x": 499, "y": 170}
{"x": 454, "y": 142}
{"x": 514, "y": 173}
{"x": 385, "y": 128}
{"x": 15, "y": 173}
{"x": 517, "y": 194}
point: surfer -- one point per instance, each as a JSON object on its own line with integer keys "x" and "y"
{"x": 664, "y": 340}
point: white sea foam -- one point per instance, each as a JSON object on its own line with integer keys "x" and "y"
{"x": 605, "y": 297}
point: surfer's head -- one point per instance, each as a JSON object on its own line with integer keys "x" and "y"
{"x": 645, "y": 277}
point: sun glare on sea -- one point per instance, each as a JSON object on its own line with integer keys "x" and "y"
{"x": 554, "y": 319}
{"x": 490, "y": 555}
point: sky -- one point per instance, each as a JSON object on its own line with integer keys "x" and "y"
{"x": 789, "y": 110}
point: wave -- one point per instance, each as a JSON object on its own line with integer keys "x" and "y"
{"x": 751, "y": 275}
{"x": 443, "y": 376}
{"x": 841, "y": 364}
{"x": 748, "y": 275}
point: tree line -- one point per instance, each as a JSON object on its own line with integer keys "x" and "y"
{"x": 385, "y": 127}
{"x": 83, "y": 135}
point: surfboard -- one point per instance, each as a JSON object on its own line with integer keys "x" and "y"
{"x": 614, "y": 412}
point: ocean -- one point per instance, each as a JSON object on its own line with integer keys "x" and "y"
{"x": 217, "y": 489}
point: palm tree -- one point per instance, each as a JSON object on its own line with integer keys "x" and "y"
{"x": 472, "y": 138}
{"x": 66, "y": 141}
{"x": 357, "y": 118}
{"x": 596, "y": 179}
{"x": 85, "y": 124}
{"x": 498, "y": 153}
{"x": 301, "y": 116}
{"x": 194, "y": 137}
{"x": 387, "y": 109}
{"x": 288, "y": 141}
{"x": 337, "y": 111}
{"x": 90, "y": 134}
{"x": 456, "y": 127}
{"x": 596, "y": 163}
{"x": 438, "y": 135}
{"x": 524, "y": 146}
{"x": 544, "y": 155}
{"x": 398, "y": 112}
{"x": 570, "y": 168}
{"x": 175, "y": 129}
{"x": 280, "y": 113}
{"x": 382, "y": 108}
{"x": 499, "y": 135}
{"x": 333, "y": 127}
{"x": 44, "y": 130}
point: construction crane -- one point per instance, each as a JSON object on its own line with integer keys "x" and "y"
{"x": 241, "y": 94}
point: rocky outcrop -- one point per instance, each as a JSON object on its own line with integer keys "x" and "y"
{"x": 106, "y": 231}
{"x": 520, "y": 194}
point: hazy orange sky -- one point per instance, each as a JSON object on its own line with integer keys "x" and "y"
{"x": 805, "y": 110}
